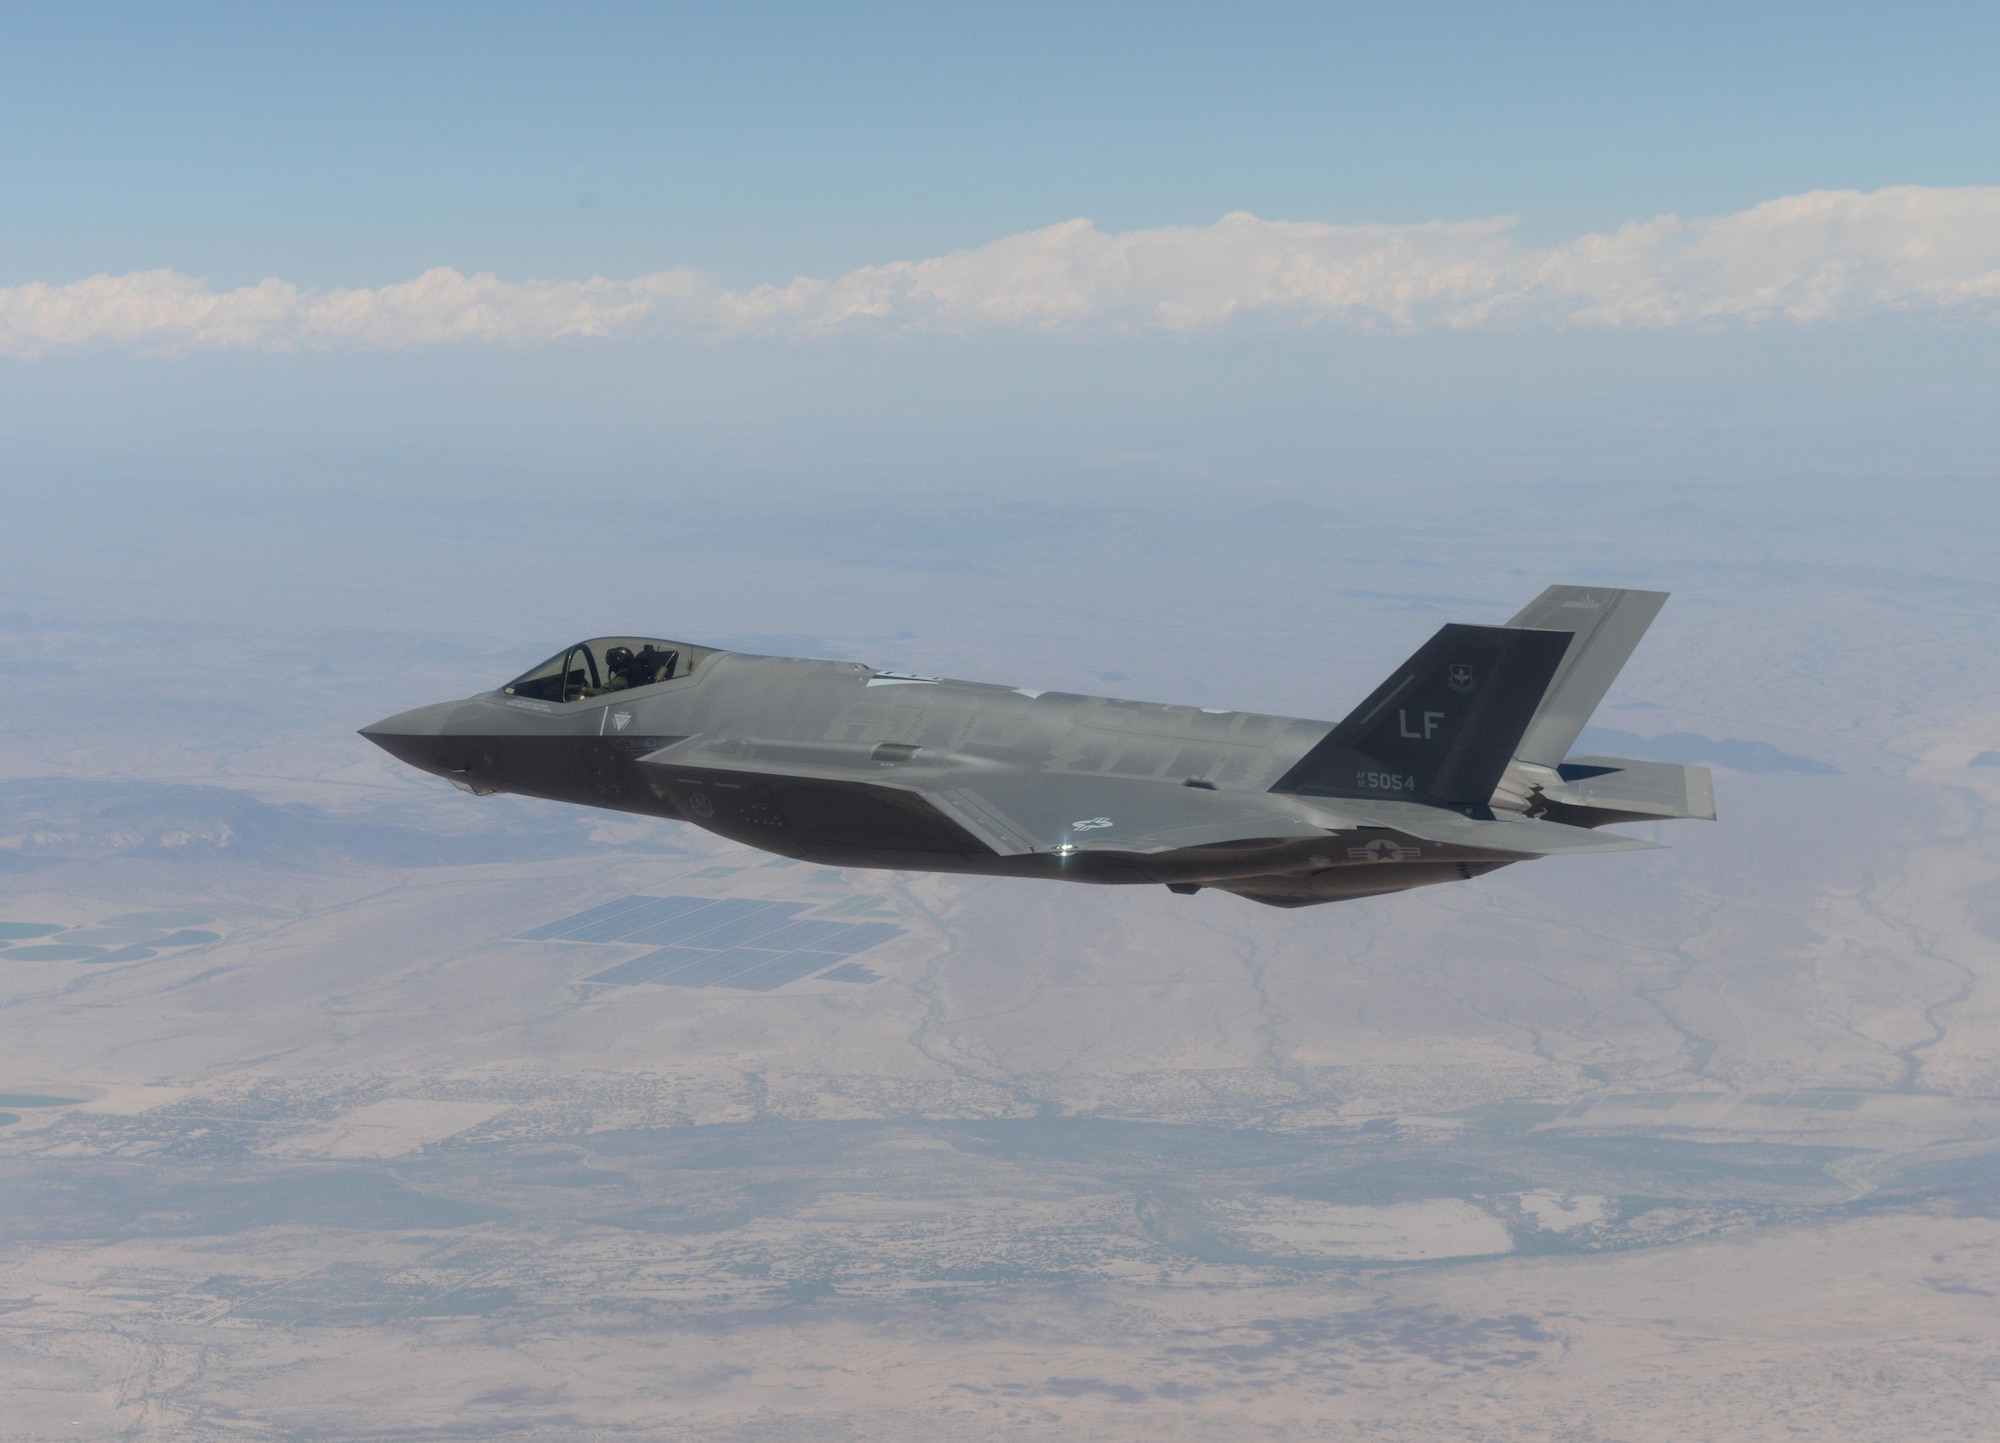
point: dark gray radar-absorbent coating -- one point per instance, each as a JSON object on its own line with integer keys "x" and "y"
{"x": 1457, "y": 764}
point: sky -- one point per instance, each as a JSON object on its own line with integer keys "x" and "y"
{"x": 346, "y": 145}
{"x": 838, "y": 246}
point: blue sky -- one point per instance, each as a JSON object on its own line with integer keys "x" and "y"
{"x": 355, "y": 241}
{"x": 353, "y": 144}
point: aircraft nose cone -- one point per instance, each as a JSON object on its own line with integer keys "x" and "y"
{"x": 411, "y": 736}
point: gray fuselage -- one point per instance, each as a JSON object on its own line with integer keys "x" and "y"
{"x": 836, "y": 763}
{"x": 1455, "y": 765}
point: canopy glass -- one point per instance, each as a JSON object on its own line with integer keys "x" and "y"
{"x": 607, "y": 664}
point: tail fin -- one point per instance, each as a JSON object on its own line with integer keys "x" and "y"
{"x": 1608, "y": 624}
{"x": 1442, "y": 728}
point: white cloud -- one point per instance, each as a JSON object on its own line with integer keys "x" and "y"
{"x": 168, "y": 311}
{"x": 1819, "y": 258}
{"x": 1822, "y": 256}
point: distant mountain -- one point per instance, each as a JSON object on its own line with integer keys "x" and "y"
{"x": 49, "y": 819}
{"x": 1694, "y": 749}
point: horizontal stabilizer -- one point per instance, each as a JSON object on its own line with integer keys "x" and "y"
{"x": 1594, "y": 791}
{"x": 1505, "y": 836}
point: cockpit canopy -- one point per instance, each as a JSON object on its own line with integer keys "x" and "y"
{"x": 607, "y": 664}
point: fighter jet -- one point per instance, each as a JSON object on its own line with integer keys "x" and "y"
{"x": 1454, "y": 766}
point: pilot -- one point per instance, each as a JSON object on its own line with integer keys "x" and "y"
{"x": 618, "y": 668}
{"x": 628, "y": 670}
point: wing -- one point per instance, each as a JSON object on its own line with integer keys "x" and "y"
{"x": 1019, "y": 810}
{"x": 1035, "y": 811}
{"x": 1064, "y": 813}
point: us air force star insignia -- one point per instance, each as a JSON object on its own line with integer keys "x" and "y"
{"x": 1460, "y": 676}
{"x": 1089, "y": 823}
{"x": 620, "y": 720}
{"x": 1384, "y": 850}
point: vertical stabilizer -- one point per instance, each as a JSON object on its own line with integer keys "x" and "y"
{"x": 1442, "y": 728}
{"x": 1607, "y": 623}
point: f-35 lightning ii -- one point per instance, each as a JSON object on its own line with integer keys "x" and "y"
{"x": 1454, "y": 766}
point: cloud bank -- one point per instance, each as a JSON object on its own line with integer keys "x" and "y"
{"x": 1815, "y": 259}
